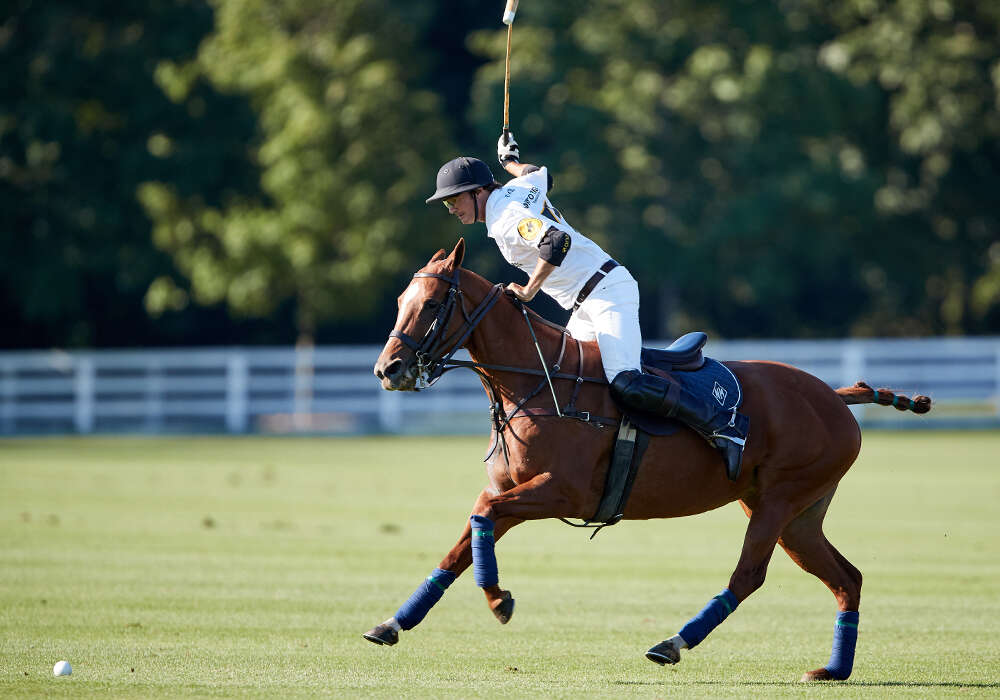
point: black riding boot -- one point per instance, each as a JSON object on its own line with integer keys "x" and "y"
{"x": 651, "y": 393}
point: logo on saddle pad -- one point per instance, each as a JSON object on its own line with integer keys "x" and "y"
{"x": 719, "y": 392}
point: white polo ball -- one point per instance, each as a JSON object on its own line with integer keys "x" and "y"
{"x": 62, "y": 668}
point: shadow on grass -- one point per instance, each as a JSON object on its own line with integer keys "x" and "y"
{"x": 917, "y": 684}
{"x": 836, "y": 684}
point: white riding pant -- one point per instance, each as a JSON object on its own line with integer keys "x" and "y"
{"x": 610, "y": 315}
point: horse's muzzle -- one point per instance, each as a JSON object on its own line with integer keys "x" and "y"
{"x": 396, "y": 374}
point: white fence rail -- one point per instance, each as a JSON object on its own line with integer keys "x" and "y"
{"x": 332, "y": 390}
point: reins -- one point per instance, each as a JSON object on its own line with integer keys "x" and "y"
{"x": 548, "y": 378}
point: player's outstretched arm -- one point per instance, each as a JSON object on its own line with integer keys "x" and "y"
{"x": 509, "y": 155}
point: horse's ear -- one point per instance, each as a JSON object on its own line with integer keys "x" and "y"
{"x": 458, "y": 254}
{"x": 440, "y": 255}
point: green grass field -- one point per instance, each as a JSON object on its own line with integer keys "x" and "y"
{"x": 204, "y": 567}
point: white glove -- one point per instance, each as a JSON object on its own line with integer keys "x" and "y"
{"x": 507, "y": 149}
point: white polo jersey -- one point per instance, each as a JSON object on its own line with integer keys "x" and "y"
{"x": 517, "y": 217}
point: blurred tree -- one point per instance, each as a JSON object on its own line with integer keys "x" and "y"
{"x": 81, "y": 125}
{"x": 796, "y": 168}
{"x": 344, "y": 149}
{"x": 747, "y": 158}
{"x": 938, "y": 63}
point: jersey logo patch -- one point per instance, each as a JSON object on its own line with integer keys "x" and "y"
{"x": 529, "y": 229}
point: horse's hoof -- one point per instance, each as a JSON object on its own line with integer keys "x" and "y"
{"x": 382, "y": 634}
{"x": 504, "y": 609}
{"x": 820, "y": 674}
{"x": 664, "y": 653}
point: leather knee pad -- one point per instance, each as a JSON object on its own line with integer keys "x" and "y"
{"x": 646, "y": 392}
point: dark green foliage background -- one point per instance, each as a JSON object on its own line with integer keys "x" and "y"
{"x": 253, "y": 171}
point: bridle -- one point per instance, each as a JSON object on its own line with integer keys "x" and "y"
{"x": 435, "y": 352}
{"x": 432, "y": 356}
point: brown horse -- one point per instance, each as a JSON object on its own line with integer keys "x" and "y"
{"x": 802, "y": 440}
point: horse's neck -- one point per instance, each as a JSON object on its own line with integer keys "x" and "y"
{"x": 503, "y": 337}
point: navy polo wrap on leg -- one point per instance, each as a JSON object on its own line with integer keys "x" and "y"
{"x": 423, "y": 599}
{"x": 484, "y": 558}
{"x": 710, "y": 617}
{"x": 845, "y": 639}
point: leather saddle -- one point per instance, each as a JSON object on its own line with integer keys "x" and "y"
{"x": 684, "y": 362}
{"x": 683, "y": 355}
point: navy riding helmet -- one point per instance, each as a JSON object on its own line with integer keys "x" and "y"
{"x": 461, "y": 175}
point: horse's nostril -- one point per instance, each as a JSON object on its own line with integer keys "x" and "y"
{"x": 378, "y": 373}
{"x": 393, "y": 368}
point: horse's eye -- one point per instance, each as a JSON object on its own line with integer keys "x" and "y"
{"x": 431, "y": 304}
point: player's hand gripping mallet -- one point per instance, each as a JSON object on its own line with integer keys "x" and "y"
{"x": 508, "y": 18}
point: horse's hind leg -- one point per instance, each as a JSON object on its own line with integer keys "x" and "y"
{"x": 805, "y": 543}
{"x": 766, "y": 524}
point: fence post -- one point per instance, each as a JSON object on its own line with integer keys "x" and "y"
{"x": 853, "y": 369}
{"x": 237, "y": 384}
{"x": 7, "y": 394}
{"x": 302, "y": 390}
{"x": 390, "y": 411}
{"x": 154, "y": 394}
{"x": 996, "y": 384}
{"x": 83, "y": 411}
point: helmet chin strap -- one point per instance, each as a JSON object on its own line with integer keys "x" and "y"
{"x": 475, "y": 204}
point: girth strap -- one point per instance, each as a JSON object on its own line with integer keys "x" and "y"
{"x": 625, "y": 460}
{"x": 610, "y": 510}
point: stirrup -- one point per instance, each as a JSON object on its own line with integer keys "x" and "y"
{"x": 731, "y": 447}
{"x": 739, "y": 441}
{"x": 731, "y": 453}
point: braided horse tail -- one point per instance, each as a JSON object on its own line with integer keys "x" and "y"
{"x": 862, "y": 393}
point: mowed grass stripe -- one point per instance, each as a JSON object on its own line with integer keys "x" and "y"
{"x": 220, "y": 567}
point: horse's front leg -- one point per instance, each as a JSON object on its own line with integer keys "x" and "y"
{"x": 413, "y": 611}
{"x": 476, "y": 547}
{"x": 494, "y": 514}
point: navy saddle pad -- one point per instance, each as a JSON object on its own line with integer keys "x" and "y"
{"x": 712, "y": 380}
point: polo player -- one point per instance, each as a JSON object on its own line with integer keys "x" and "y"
{"x": 604, "y": 297}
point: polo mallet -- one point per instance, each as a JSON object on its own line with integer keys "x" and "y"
{"x": 508, "y": 19}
